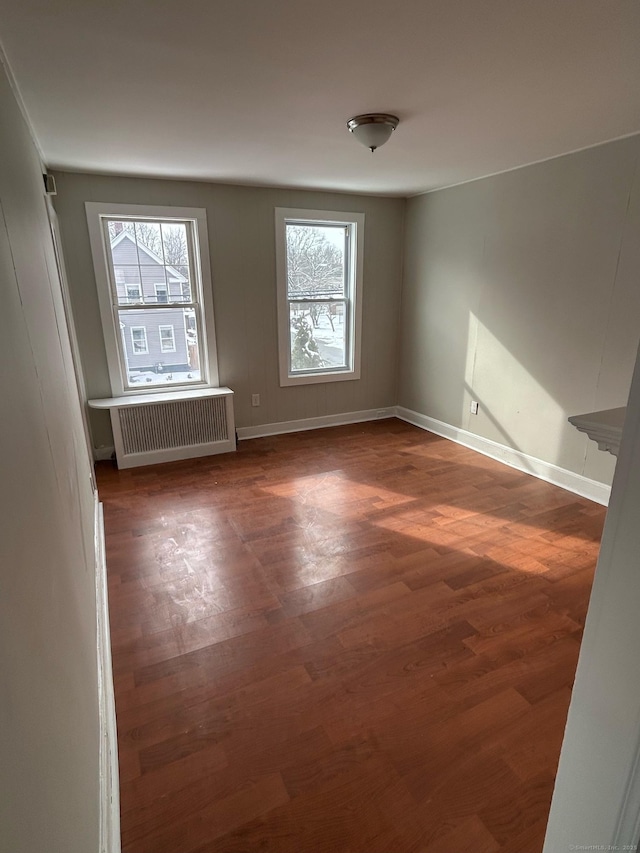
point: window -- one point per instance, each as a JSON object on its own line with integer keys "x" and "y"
{"x": 133, "y": 292}
{"x": 167, "y": 339}
{"x": 162, "y": 294}
{"x": 153, "y": 278}
{"x": 139, "y": 343}
{"x": 319, "y": 266}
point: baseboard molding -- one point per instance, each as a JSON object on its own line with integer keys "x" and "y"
{"x": 263, "y": 430}
{"x": 576, "y": 483}
{"x": 109, "y": 777}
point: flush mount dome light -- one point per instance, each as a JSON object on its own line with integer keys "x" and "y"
{"x": 373, "y": 129}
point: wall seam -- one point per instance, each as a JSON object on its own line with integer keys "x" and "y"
{"x": 17, "y": 94}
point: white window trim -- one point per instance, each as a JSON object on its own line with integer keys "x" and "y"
{"x": 144, "y": 351}
{"x": 173, "y": 338}
{"x": 356, "y": 262}
{"x": 207, "y": 341}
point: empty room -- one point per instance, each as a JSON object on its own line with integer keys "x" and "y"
{"x": 322, "y": 426}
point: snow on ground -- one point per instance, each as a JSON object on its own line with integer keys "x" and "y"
{"x": 147, "y": 378}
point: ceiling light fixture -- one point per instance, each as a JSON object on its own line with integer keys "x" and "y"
{"x": 373, "y": 129}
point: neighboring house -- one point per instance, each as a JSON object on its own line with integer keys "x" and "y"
{"x": 156, "y": 340}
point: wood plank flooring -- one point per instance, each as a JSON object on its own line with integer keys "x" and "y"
{"x": 355, "y": 640}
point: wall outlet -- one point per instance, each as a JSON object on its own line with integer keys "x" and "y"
{"x": 255, "y": 399}
{"x": 473, "y": 408}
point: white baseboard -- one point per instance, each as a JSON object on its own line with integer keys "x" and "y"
{"x": 576, "y": 483}
{"x": 263, "y": 430}
{"x": 109, "y": 776}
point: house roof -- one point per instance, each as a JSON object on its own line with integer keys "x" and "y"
{"x": 260, "y": 93}
{"x": 119, "y": 238}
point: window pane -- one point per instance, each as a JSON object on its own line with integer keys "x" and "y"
{"x": 174, "y": 243}
{"x": 179, "y": 283}
{"x": 149, "y": 241}
{"x": 318, "y": 338}
{"x": 171, "y": 355}
{"x": 122, "y": 232}
{"x": 127, "y": 284}
{"x": 316, "y": 260}
{"x": 141, "y": 253}
{"x": 176, "y": 257}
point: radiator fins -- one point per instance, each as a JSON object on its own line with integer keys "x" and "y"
{"x": 163, "y": 426}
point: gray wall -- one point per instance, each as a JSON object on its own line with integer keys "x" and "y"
{"x": 49, "y": 732}
{"x": 522, "y": 291}
{"x": 242, "y": 245}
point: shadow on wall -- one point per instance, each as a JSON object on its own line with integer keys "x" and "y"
{"x": 521, "y": 292}
{"x": 519, "y": 409}
{"x": 508, "y": 393}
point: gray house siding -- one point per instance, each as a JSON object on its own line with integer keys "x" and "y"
{"x": 139, "y": 278}
{"x": 144, "y": 273}
{"x": 152, "y": 323}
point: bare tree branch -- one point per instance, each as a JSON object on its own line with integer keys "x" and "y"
{"x": 315, "y": 266}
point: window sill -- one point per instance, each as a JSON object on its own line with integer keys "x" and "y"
{"x": 158, "y": 397}
{"x": 313, "y": 378}
{"x": 605, "y": 427}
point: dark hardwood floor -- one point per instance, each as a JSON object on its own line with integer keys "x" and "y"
{"x": 354, "y": 640}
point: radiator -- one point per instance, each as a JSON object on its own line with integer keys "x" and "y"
{"x": 167, "y": 427}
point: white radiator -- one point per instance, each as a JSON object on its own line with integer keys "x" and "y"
{"x": 165, "y": 427}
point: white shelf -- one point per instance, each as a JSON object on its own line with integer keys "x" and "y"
{"x": 158, "y": 397}
{"x": 605, "y": 427}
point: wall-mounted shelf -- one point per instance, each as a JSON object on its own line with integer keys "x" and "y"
{"x": 605, "y": 428}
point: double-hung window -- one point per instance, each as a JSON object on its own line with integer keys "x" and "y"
{"x": 167, "y": 339}
{"x": 154, "y": 287}
{"x": 319, "y": 256}
{"x": 139, "y": 342}
{"x": 133, "y": 292}
{"x": 162, "y": 294}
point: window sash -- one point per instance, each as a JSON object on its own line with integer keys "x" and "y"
{"x": 198, "y": 310}
{"x": 193, "y": 304}
{"x": 346, "y": 229}
{"x": 353, "y": 259}
{"x": 346, "y": 303}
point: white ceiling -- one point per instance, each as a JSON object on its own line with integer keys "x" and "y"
{"x": 258, "y": 91}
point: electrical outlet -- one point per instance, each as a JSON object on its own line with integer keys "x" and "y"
{"x": 473, "y": 408}
{"x": 255, "y": 399}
